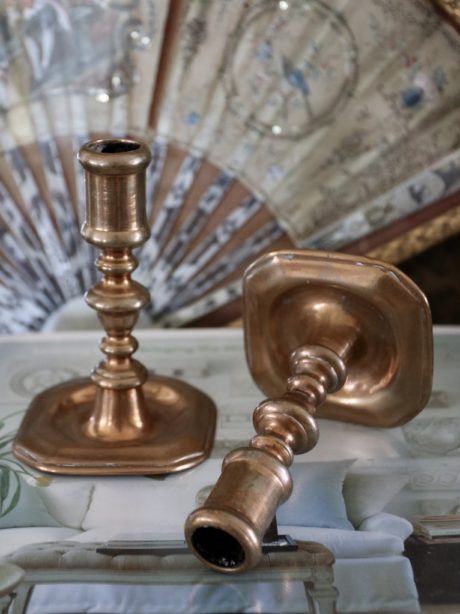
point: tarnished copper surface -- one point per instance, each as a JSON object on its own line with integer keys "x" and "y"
{"x": 323, "y": 332}
{"x": 339, "y": 301}
{"x": 53, "y": 434}
{"x": 121, "y": 421}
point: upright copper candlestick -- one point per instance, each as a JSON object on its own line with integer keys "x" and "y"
{"x": 116, "y": 223}
{"x": 326, "y": 334}
{"x": 121, "y": 421}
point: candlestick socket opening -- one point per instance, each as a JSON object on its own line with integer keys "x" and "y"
{"x": 223, "y": 540}
{"x": 218, "y": 547}
{"x": 115, "y": 157}
{"x": 115, "y": 146}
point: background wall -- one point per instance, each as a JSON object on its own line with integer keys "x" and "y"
{"x": 437, "y": 272}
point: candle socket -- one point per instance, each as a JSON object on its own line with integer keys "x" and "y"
{"x": 115, "y": 193}
{"x": 121, "y": 420}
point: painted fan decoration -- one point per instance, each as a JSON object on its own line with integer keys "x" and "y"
{"x": 307, "y": 123}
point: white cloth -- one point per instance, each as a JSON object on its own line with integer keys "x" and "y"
{"x": 383, "y": 522}
{"x": 348, "y": 544}
{"x": 12, "y": 539}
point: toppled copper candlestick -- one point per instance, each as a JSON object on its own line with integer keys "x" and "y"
{"x": 121, "y": 421}
{"x": 326, "y": 334}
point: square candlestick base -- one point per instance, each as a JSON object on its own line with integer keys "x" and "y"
{"x": 53, "y": 435}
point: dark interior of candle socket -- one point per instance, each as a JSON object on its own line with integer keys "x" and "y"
{"x": 218, "y": 547}
{"x": 114, "y": 146}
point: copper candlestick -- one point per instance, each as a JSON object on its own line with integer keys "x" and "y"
{"x": 122, "y": 420}
{"x": 329, "y": 335}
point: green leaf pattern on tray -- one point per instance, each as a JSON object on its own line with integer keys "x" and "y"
{"x": 11, "y": 470}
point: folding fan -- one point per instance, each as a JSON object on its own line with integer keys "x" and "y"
{"x": 272, "y": 123}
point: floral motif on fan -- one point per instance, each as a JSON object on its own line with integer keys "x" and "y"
{"x": 272, "y": 123}
{"x": 283, "y": 93}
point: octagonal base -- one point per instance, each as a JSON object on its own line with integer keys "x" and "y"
{"x": 368, "y": 312}
{"x": 52, "y": 436}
